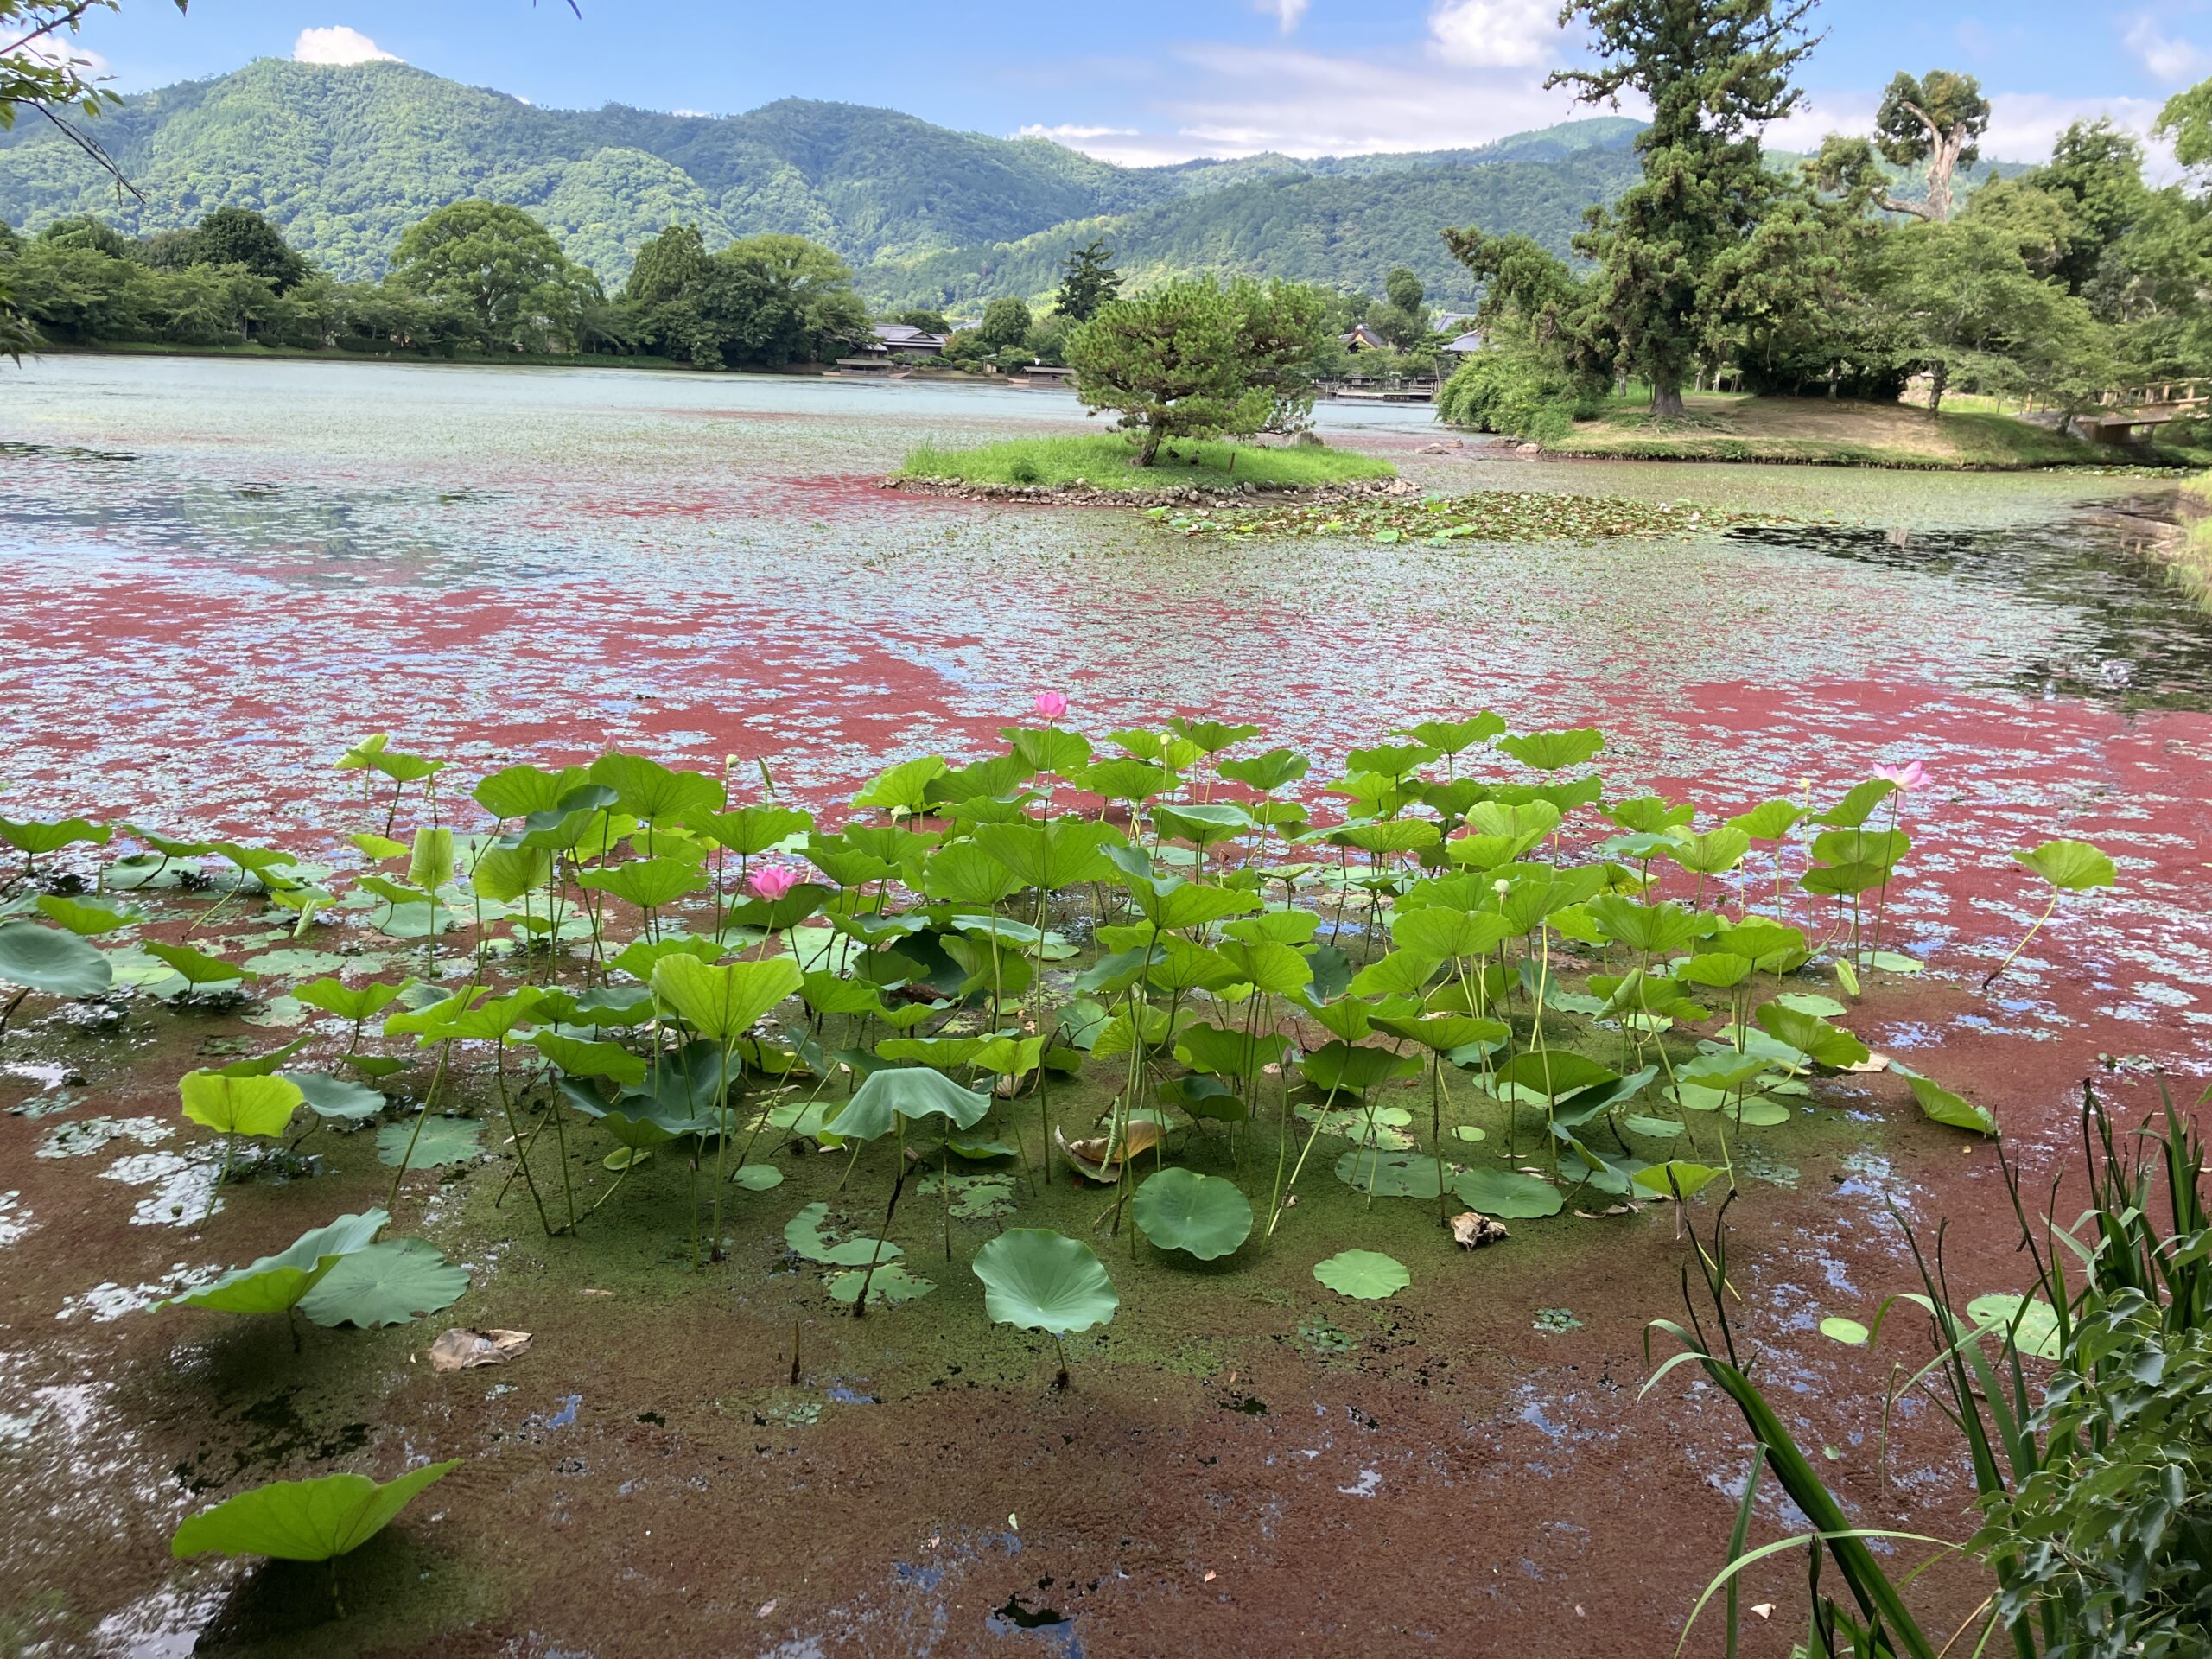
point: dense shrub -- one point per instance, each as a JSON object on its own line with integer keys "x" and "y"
{"x": 1503, "y": 392}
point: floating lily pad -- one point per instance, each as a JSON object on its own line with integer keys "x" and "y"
{"x": 1849, "y": 1332}
{"x": 391, "y": 1283}
{"x": 891, "y": 1285}
{"x": 1202, "y": 1216}
{"x": 2033, "y": 1321}
{"x": 803, "y": 1234}
{"x": 1040, "y": 1280}
{"x": 443, "y": 1140}
{"x": 1391, "y": 1174}
{"x": 1508, "y": 1194}
{"x": 758, "y": 1178}
{"x": 1366, "y": 1275}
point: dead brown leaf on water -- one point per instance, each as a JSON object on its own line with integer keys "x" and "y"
{"x": 464, "y": 1349}
{"x": 1089, "y": 1156}
{"x": 1471, "y": 1229}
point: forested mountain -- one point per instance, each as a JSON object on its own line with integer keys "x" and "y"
{"x": 343, "y": 158}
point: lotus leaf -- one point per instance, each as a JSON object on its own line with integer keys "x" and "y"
{"x": 303, "y": 1520}
{"x": 908, "y": 1091}
{"x": 275, "y": 1283}
{"x": 1364, "y": 1276}
{"x": 438, "y": 1142}
{"x": 48, "y": 960}
{"x": 393, "y": 1283}
{"x": 239, "y": 1105}
{"x": 1202, "y": 1216}
{"x": 1507, "y": 1193}
{"x": 1038, "y": 1280}
{"x": 2070, "y": 866}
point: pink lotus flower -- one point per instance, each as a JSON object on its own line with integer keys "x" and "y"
{"x": 1908, "y": 777}
{"x": 1051, "y": 705}
{"x": 772, "y": 881}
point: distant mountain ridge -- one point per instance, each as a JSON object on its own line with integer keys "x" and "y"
{"x": 345, "y": 157}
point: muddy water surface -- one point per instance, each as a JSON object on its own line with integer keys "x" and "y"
{"x": 221, "y": 573}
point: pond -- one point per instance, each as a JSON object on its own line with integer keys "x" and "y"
{"x": 222, "y": 573}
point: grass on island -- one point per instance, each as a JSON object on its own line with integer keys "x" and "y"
{"x": 1837, "y": 433}
{"x": 1107, "y": 461}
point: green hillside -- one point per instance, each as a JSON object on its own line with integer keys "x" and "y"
{"x": 345, "y": 158}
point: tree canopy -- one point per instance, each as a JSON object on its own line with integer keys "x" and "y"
{"x": 1194, "y": 359}
{"x": 501, "y": 265}
{"x": 1714, "y": 71}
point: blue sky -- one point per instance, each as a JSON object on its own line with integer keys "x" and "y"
{"x": 1144, "y": 81}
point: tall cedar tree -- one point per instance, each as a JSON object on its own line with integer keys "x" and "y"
{"x": 1714, "y": 71}
{"x": 1090, "y": 281}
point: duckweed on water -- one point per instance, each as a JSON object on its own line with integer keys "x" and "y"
{"x": 1484, "y": 515}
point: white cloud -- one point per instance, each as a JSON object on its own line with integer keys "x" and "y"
{"x": 1248, "y": 99}
{"x": 1495, "y": 34}
{"x": 339, "y": 44}
{"x": 1285, "y": 13}
{"x": 2168, "y": 60}
{"x": 60, "y": 50}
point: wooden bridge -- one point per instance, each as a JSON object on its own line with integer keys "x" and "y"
{"x": 2127, "y": 415}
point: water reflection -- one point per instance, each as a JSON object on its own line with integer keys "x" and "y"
{"x": 2126, "y": 634}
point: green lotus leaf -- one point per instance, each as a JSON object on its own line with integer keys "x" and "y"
{"x": 239, "y": 1105}
{"x": 1811, "y": 1036}
{"x": 648, "y": 883}
{"x": 1676, "y": 1178}
{"x": 1202, "y": 1216}
{"x": 1266, "y": 772}
{"x": 275, "y": 1283}
{"x": 1849, "y": 1332}
{"x": 908, "y": 1091}
{"x": 393, "y": 1283}
{"x": 1365, "y": 1275}
{"x": 1202, "y": 825}
{"x": 1858, "y": 804}
{"x": 1769, "y": 821}
{"x": 1552, "y": 751}
{"x": 1201, "y": 1096}
{"x": 1341, "y": 1066}
{"x": 1038, "y": 1280}
{"x": 1554, "y": 1072}
{"x": 891, "y": 1284}
{"x": 2032, "y": 1321}
{"x": 651, "y": 792}
{"x": 724, "y": 1003}
{"x": 1226, "y": 1054}
{"x": 85, "y": 916}
{"x": 48, "y": 960}
{"x": 1392, "y": 1174}
{"x": 1508, "y": 1194}
{"x": 749, "y": 831}
{"x": 32, "y": 836}
{"x": 2070, "y": 866}
{"x": 1715, "y": 852}
{"x": 443, "y": 1140}
{"x": 197, "y": 967}
{"x": 589, "y": 1058}
{"x": 803, "y": 1234}
{"x": 335, "y": 1097}
{"x": 303, "y": 1520}
{"x": 1940, "y": 1105}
